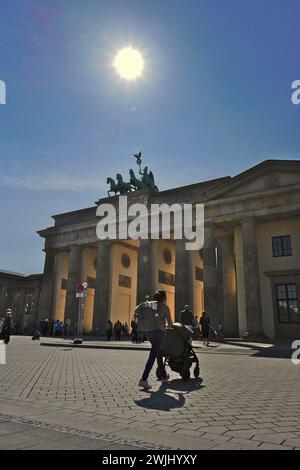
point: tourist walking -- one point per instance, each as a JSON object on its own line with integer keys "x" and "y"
{"x": 118, "y": 330}
{"x": 186, "y": 316}
{"x": 44, "y": 326}
{"x": 205, "y": 327}
{"x": 66, "y": 326}
{"x": 134, "y": 331}
{"x": 57, "y": 328}
{"x": 109, "y": 330}
{"x": 6, "y": 326}
{"x": 197, "y": 333}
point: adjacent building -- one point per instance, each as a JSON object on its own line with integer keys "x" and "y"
{"x": 20, "y": 293}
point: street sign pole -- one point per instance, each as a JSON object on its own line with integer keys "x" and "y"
{"x": 78, "y": 340}
{"x": 79, "y": 318}
{"x": 81, "y": 291}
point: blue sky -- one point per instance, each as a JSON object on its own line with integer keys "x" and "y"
{"x": 214, "y": 100}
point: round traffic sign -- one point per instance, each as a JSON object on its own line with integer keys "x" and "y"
{"x": 79, "y": 288}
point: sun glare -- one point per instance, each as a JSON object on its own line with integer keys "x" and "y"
{"x": 129, "y": 63}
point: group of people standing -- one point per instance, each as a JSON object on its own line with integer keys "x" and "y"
{"x": 202, "y": 328}
{"x": 55, "y": 328}
{"x": 121, "y": 330}
{"x": 118, "y": 329}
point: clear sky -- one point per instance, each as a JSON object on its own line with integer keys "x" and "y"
{"x": 214, "y": 100}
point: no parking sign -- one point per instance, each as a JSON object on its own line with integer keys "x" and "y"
{"x": 81, "y": 289}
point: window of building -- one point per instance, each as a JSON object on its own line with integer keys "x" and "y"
{"x": 287, "y": 302}
{"x": 282, "y": 246}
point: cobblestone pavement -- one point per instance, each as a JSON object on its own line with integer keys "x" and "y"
{"x": 20, "y": 434}
{"x": 88, "y": 395}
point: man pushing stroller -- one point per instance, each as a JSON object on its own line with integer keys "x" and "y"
{"x": 152, "y": 317}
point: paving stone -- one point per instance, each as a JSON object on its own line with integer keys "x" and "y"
{"x": 294, "y": 442}
{"x": 241, "y": 443}
{"x": 213, "y": 429}
{"x": 7, "y": 428}
{"x": 269, "y": 446}
{"x": 281, "y": 429}
{"x": 227, "y": 446}
{"x": 277, "y": 438}
{"x": 238, "y": 427}
{"x": 245, "y": 434}
{"x": 193, "y": 426}
{"x": 216, "y": 437}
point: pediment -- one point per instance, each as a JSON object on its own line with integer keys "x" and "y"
{"x": 271, "y": 174}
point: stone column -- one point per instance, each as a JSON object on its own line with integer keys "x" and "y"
{"x": 45, "y": 299}
{"x": 220, "y": 287}
{"x": 3, "y": 296}
{"x": 36, "y": 303}
{"x": 230, "y": 317}
{"x": 210, "y": 274}
{"x": 21, "y": 307}
{"x": 183, "y": 278}
{"x": 252, "y": 282}
{"x": 74, "y": 277}
{"x": 145, "y": 270}
{"x": 102, "y": 289}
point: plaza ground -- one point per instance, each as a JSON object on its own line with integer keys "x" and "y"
{"x": 87, "y": 398}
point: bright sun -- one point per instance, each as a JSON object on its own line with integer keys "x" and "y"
{"x": 129, "y": 63}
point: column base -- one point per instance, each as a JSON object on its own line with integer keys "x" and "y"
{"x": 255, "y": 336}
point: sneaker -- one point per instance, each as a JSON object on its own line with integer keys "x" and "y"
{"x": 144, "y": 384}
{"x": 166, "y": 379}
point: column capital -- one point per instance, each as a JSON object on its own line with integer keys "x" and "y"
{"x": 209, "y": 237}
{"x": 210, "y": 226}
{"x": 104, "y": 244}
{"x": 180, "y": 243}
{"x": 224, "y": 233}
{"x": 75, "y": 248}
{"x": 49, "y": 250}
{"x": 248, "y": 220}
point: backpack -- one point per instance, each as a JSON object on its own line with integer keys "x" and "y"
{"x": 148, "y": 317}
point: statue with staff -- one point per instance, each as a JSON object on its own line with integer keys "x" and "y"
{"x": 146, "y": 180}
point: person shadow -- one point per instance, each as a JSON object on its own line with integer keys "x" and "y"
{"x": 169, "y": 396}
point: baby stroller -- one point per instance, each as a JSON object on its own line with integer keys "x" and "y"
{"x": 178, "y": 351}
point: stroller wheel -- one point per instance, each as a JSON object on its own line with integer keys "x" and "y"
{"x": 158, "y": 374}
{"x": 185, "y": 374}
{"x": 196, "y": 371}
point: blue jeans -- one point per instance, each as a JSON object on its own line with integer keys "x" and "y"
{"x": 156, "y": 339}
